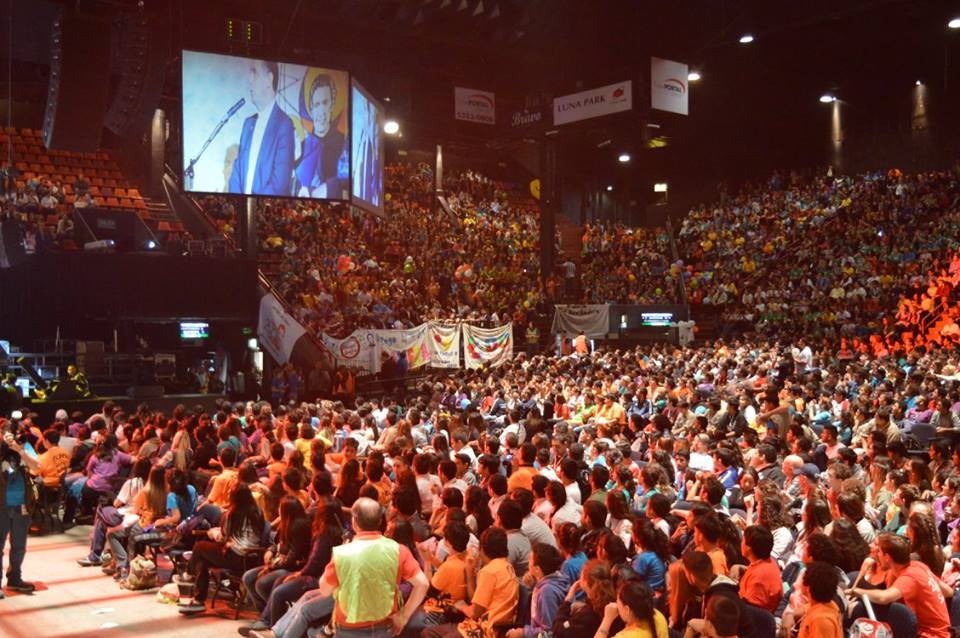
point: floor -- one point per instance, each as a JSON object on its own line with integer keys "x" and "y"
{"x": 80, "y": 602}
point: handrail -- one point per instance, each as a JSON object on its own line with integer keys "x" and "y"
{"x": 675, "y": 253}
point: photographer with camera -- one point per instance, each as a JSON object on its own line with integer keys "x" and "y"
{"x": 17, "y": 494}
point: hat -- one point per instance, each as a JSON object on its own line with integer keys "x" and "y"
{"x": 811, "y": 471}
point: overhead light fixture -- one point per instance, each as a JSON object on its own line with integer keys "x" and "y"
{"x": 386, "y": 99}
{"x": 827, "y": 98}
{"x": 746, "y": 38}
{"x": 391, "y": 127}
{"x": 609, "y": 188}
{"x": 954, "y": 23}
{"x": 623, "y": 158}
{"x": 693, "y": 76}
{"x": 918, "y": 83}
{"x": 604, "y": 143}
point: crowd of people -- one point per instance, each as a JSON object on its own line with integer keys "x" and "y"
{"x": 823, "y": 255}
{"x": 628, "y": 265}
{"x": 341, "y": 268}
{"x": 735, "y": 489}
{"x": 29, "y": 207}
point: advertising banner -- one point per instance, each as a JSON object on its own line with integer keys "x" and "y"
{"x": 592, "y": 319}
{"x": 443, "y": 344}
{"x": 277, "y": 330}
{"x": 487, "y": 347}
{"x": 668, "y": 86}
{"x": 584, "y": 105}
{"x": 475, "y": 106}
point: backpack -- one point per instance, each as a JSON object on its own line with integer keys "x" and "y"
{"x": 143, "y": 574}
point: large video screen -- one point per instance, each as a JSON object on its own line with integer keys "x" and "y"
{"x": 367, "y": 144}
{"x": 265, "y": 128}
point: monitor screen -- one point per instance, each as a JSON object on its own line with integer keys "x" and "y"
{"x": 265, "y": 128}
{"x": 656, "y": 318}
{"x": 192, "y": 330}
{"x": 367, "y": 149}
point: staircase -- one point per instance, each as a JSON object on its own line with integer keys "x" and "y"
{"x": 160, "y": 217}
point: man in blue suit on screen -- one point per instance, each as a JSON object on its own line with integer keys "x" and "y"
{"x": 264, "y": 164}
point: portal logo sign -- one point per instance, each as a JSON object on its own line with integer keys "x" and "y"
{"x": 674, "y": 86}
{"x": 471, "y": 105}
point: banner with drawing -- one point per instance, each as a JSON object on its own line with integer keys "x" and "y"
{"x": 487, "y": 347}
{"x": 443, "y": 344}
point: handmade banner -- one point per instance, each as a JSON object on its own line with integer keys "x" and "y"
{"x": 411, "y": 342}
{"x": 443, "y": 344}
{"x": 487, "y": 347}
{"x": 359, "y": 350}
{"x": 592, "y": 319}
{"x": 277, "y": 330}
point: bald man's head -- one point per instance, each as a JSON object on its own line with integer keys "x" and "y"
{"x": 367, "y": 514}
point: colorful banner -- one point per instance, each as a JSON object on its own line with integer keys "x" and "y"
{"x": 277, "y": 330}
{"x": 443, "y": 344}
{"x": 668, "y": 86}
{"x": 603, "y": 100}
{"x": 411, "y": 342}
{"x": 591, "y": 319}
{"x": 487, "y": 347}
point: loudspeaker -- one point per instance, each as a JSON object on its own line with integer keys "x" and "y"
{"x": 141, "y": 63}
{"x": 145, "y": 391}
{"x": 79, "y": 83}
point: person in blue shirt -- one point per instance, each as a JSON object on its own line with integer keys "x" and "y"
{"x": 725, "y": 465}
{"x": 653, "y": 554}
{"x": 568, "y": 537}
{"x": 17, "y": 494}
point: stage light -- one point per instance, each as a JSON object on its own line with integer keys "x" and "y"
{"x": 918, "y": 83}
{"x": 252, "y": 343}
{"x": 386, "y": 99}
{"x": 609, "y": 188}
{"x": 151, "y": 244}
{"x": 624, "y": 158}
{"x": 826, "y": 98}
{"x": 693, "y": 76}
{"x": 746, "y": 38}
{"x": 391, "y": 127}
{"x": 954, "y": 23}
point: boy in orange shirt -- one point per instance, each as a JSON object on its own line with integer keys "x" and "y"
{"x": 819, "y": 585}
{"x": 761, "y": 583}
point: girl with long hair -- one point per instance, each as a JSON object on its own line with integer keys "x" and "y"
{"x": 925, "y": 541}
{"x": 596, "y": 583}
{"x": 242, "y": 529}
{"x": 101, "y": 469}
{"x": 287, "y": 555}
{"x": 852, "y": 548}
{"x": 619, "y": 518}
{"x": 653, "y": 554}
{"x": 635, "y": 607}
{"x": 476, "y": 504}
{"x": 770, "y": 514}
{"x": 150, "y": 504}
{"x": 349, "y": 482}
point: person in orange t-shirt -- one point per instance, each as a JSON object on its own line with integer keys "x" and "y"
{"x": 819, "y": 586}
{"x": 761, "y": 584}
{"x": 912, "y": 582}
{"x": 54, "y": 461}
{"x": 522, "y": 477}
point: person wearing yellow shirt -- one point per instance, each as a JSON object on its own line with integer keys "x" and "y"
{"x": 636, "y": 608}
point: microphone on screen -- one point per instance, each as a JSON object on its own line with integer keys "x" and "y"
{"x": 236, "y": 107}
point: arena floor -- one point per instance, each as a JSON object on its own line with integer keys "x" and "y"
{"x": 80, "y": 602}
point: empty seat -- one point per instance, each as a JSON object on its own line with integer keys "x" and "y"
{"x": 164, "y": 227}
{"x": 112, "y": 202}
{"x": 133, "y": 193}
{"x": 119, "y": 192}
{"x": 125, "y": 202}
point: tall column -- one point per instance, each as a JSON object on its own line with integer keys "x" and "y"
{"x": 549, "y": 202}
{"x": 158, "y": 141}
{"x": 248, "y": 229}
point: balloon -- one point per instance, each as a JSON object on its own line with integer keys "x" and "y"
{"x": 535, "y": 188}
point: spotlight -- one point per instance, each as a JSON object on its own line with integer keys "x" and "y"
{"x": 746, "y": 38}
{"x": 391, "y": 127}
{"x": 660, "y": 187}
{"x": 954, "y": 23}
{"x": 693, "y": 76}
{"x": 386, "y": 99}
{"x": 609, "y": 188}
{"x": 151, "y": 244}
{"x": 624, "y": 158}
{"x": 826, "y": 98}
{"x": 918, "y": 83}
